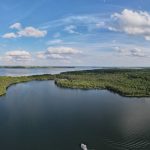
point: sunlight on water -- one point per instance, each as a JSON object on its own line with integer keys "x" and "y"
{"x": 39, "y": 115}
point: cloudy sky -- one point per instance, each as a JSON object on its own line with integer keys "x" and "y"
{"x": 75, "y": 32}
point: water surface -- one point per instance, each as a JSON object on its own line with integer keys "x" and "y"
{"x": 38, "y": 71}
{"x": 40, "y": 116}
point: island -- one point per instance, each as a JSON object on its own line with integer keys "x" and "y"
{"x": 125, "y": 82}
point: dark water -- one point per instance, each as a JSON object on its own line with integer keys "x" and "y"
{"x": 41, "y": 116}
{"x": 35, "y": 71}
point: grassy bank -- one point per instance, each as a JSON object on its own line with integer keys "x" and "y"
{"x": 126, "y": 82}
{"x": 5, "y": 82}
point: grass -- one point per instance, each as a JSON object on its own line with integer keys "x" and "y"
{"x": 126, "y": 82}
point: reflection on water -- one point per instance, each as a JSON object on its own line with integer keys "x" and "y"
{"x": 41, "y": 116}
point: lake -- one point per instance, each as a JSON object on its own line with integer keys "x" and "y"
{"x": 39, "y": 71}
{"x": 38, "y": 115}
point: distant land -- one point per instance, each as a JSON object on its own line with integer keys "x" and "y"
{"x": 102, "y": 67}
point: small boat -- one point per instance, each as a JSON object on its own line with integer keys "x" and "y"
{"x": 84, "y": 147}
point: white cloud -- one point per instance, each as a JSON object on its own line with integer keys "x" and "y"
{"x": 9, "y": 35}
{"x": 46, "y": 55}
{"x": 71, "y": 29}
{"x": 56, "y": 56}
{"x": 99, "y": 24}
{"x": 62, "y": 50}
{"x": 32, "y": 32}
{"x": 17, "y": 55}
{"x": 134, "y": 52}
{"x": 40, "y": 55}
{"x": 16, "y": 26}
{"x": 25, "y": 32}
{"x": 93, "y": 21}
{"x": 58, "y": 53}
{"x": 56, "y": 41}
{"x": 132, "y": 22}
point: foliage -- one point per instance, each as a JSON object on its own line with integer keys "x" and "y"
{"x": 126, "y": 82}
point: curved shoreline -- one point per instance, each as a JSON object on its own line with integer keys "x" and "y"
{"x": 108, "y": 89}
{"x": 127, "y": 83}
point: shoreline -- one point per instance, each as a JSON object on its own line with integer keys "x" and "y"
{"x": 126, "y": 83}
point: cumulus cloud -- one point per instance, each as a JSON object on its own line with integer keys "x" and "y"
{"x": 62, "y": 50}
{"x": 134, "y": 52}
{"x": 32, "y": 32}
{"x": 58, "y": 53}
{"x": 132, "y": 22}
{"x": 24, "y": 32}
{"x": 17, "y": 55}
{"x": 16, "y": 26}
{"x": 9, "y": 35}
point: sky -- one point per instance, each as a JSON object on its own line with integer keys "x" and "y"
{"x": 106, "y": 33}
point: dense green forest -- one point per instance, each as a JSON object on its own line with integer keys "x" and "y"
{"x": 126, "y": 82}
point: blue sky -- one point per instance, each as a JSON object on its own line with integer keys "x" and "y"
{"x": 75, "y": 32}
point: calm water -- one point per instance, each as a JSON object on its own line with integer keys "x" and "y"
{"x": 41, "y": 116}
{"x": 35, "y": 71}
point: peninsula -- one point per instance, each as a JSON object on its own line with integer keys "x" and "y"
{"x": 125, "y": 82}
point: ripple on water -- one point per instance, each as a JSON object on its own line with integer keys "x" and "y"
{"x": 129, "y": 143}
